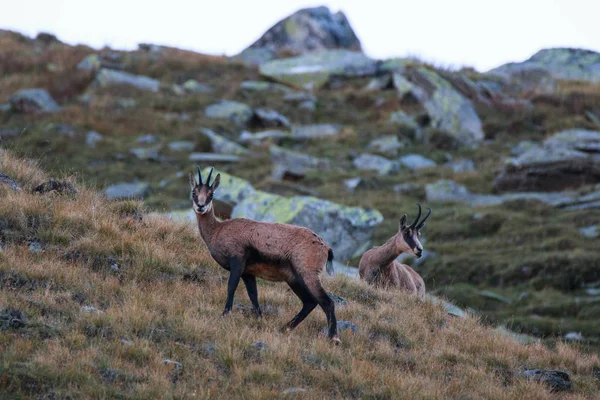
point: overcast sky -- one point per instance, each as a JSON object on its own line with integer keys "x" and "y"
{"x": 452, "y": 33}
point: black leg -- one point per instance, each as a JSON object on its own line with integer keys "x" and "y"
{"x": 235, "y": 272}
{"x": 329, "y": 308}
{"x": 250, "y": 282}
{"x": 308, "y": 304}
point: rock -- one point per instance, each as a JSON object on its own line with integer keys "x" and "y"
{"x": 8, "y": 180}
{"x": 398, "y": 64}
{"x": 348, "y": 230}
{"x": 193, "y": 86}
{"x": 150, "y": 154}
{"x": 90, "y": 309}
{"x": 257, "y": 138}
{"x": 590, "y": 232}
{"x": 175, "y": 364}
{"x": 293, "y": 391}
{"x": 451, "y": 113}
{"x": 317, "y": 131}
{"x": 212, "y": 157}
{"x": 519, "y": 337}
{"x": 379, "y": 83}
{"x": 568, "y": 159}
{"x": 5, "y": 108}
{"x": 238, "y": 113}
{"x": 560, "y": 63}
{"x": 95, "y": 62}
{"x": 343, "y": 326}
{"x": 461, "y": 165}
{"x": 407, "y": 90}
{"x": 233, "y": 190}
{"x": 309, "y": 30}
{"x": 526, "y": 77}
{"x": 408, "y": 188}
{"x": 386, "y": 145}
{"x": 339, "y": 301}
{"x": 92, "y": 138}
{"x": 90, "y": 63}
{"x": 181, "y": 146}
{"x": 574, "y": 337}
{"x": 341, "y": 269}
{"x": 11, "y": 318}
{"x": 108, "y": 77}
{"x": 494, "y": 296}
{"x": 58, "y": 187}
{"x": 177, "y": 116}
{"x": 35, "y": 247}
{"x": 222, "y": 145}
{"x": 401, "y": 118}
{"x": 33, "y": 101}
{"x": 558, "y": 381}
{"x": 294, "y": 164}
{"x": 6, "y": 133}
{"x": 147, "y": 139}
{"x": 267, "y": 118}
{"x": 354, "y": 183}
{"x": 415, "y": 161}
{"x": 377, "y": 163}
{"x": 263, "y": 86}
{"x": 136, "y": 190}
{"x": 449, "y": 307}
{"x": 252, "y": 56}
{"x": 299, "y": 97}
{"x": 260, "y": 346}
{"x": 126, "y": 103}
{"x": 313, "y": 71}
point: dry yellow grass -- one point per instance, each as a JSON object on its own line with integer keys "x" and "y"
{"x": 158, "y": 296}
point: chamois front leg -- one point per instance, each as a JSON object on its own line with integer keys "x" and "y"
{"x": 235, "y": 273}
{"x": 250, "y": 282}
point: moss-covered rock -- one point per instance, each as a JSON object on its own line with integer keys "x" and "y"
{"x": 33, "y": 101}
{"x": 107, "y": 77}
{"x": 238, "y": 113}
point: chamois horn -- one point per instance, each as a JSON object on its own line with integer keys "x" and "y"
{"x": 416, "y": 219}
{"x": 424, "y": 219}
{"x": 199, "y": 182}
{"x": 209, "y": 175}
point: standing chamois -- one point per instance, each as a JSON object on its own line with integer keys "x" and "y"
{"x": 276, "y": 252}
{"x": 378, "y": 266}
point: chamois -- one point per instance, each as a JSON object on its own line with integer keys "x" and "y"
{"x": 251, "y": 249}
{"x": 378, "y": 266}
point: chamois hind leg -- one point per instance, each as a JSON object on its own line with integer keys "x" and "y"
{"x": 235, "y": 273}
{"x": 250, "y": 282}
{"x": 308, "y": 304}
{"x": 328, "y": 307}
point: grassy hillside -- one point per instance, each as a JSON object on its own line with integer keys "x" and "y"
{"x": 529, "y": 254}
{"x": 116, "y": 303}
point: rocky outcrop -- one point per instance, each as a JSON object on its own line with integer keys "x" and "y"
{"x": 347, "y": 229}
{"x": 415, "y": 161}
{"x": 33, "y": 101}
{"x": 560, "y": 63}
{"x": 386, "y": 145}
{"x": 238, "y": 113}
{"x": 309, "y": 30}
{"x": 568, "y": 159}
{"x": 108, "y": 77}
{"x": 312, "y": 71}
{"x": 287, "y": 163}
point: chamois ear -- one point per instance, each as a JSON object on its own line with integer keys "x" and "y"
{"x": 403, "y": 222}
{"x": 216, "y": 182}
{"x": 192, "y": 180}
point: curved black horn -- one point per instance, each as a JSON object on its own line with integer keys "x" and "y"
{"x": 416, "y": 219}
{"x": 424, "y": 219}
{"x": 199, "y": 176}
{"x": 209, "y": 175}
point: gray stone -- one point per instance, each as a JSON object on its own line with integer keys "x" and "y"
{"x": 522, "y": 147}
{"x": 94, "y": 62}
{"x": 263, "y": 86}
{"x": 293, "y": 391}
{"x": 574, "y": 337}
{"x": 407, "y": 188}
{"x": 108, "y": 77}
{"x": 177, "y": 116}
{"x": 136, "y": 190}
{"x": 339, "y": 301}
{"x": 519, "y": 337}
{"x": 5, "y": 107}
{"x": 494, "y": 296}
{"x": 90, "y": 309}
{"x": 461, "y": 165}
{"x": 258, "y": 137}
{"x": 386, "y": 145}
{"x": 223, "y": 145}
{"x": 558, "y": 381}
{"x": 35, "y": 247}
{"x": 288, "y": 162}
{"x": 147, "y": 139}
{"x": 379, "y": 83}
{"x": 33, "y": 101}
{"x": 343, "y": 326}
{"x": 313, "y": 71}
{"x": 175, "y": 364}
{"x": 354, "y": 183}
{"x": 299, "y": 97}
{"x": 90, "y": 63}
{"x": 567, "y": 159}
{"x": 407, "y": 89}
{"x": 401, "y": 118}
{"x": 345, "y": 270}
{"x": 309, "y": 30}
{"x": 448, "y": 307}
{"x": 415, "y": 161}
{"x": 374, "y": 162}
{"x": 268, "y": 118}
{"x": 591, "y": 232}
{"x": 252, "y": 56}
{"x": 8, "y": 180}
{"x": 92, "y": 138}
{"x": 146, "y": 154}
{"x": 126, "y": 103}
{"x": 317, "y": 131}
{"x": 238, "y": 113}
{"x": 213, "y": 157}
{"x": 181, "y": 146}
{"x": 193, "y": 86}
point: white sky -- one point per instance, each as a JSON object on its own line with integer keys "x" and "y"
{"x": 453, "y": 33}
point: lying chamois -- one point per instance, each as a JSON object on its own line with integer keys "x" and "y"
{"x": 379, "y": 267}
{"x": 276, "y": 252}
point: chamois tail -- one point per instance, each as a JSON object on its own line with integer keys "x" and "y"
{"x": 329, "y": 264}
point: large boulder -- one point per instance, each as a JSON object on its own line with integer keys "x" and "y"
{"x": 107, "y": 77}
{"x": 560, "y": 63}
{"x": 222, "y": 145}
{"x": 294, "y": 164}
{"x": 33, "y": 101}
{"x": 309, "y": 30}
{"x": 451, "y": 113}
{"x": 348, "y": 230}
{"x": 238, "y": 113}
{"x": 312, "y": 71}
{"x": 568, "y": 159}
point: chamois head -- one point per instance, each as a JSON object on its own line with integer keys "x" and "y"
{"x": 408, "y": 238}
{"x": 202, "y": 192}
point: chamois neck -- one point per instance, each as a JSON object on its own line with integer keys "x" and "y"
{"x": 207, "y": 223}
{"x": 387, "y": 252}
